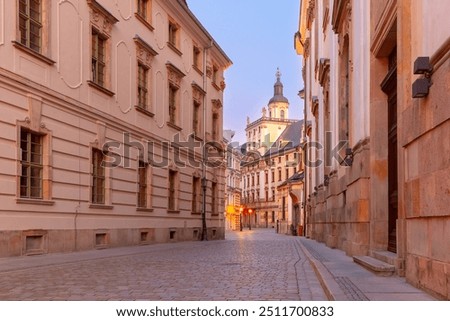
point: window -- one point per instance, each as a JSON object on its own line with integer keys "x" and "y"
{"x": 215, "y": 126}
{"x": 253, "y": 180}
{"x": 214, "y": 198}
{"x": 195, "y": 120}
{"x": 273, "y": 216}
{"x": 142, "y": 7}
{"x": 266, "y": 177}
{"x": 282, "y": 114}
{"x": 287, "y": 158}
{"x": 30, "y": 24}
{"x": 144, "y": 54}
{"x": 142, "y": 86}
{"x": 215, "y": 75}
{"x": 273, "y": 194}
{"x": 31, "y": 164}
{"x": 102, "y": 23}
{"x": 279, "y": 175}
{"x": 257, "y": 179}
{"x": 195, "y": 194}
{"x": 98, "y": 58}
{"x": 173, "y": 91}
{"x": 175, "y": 77}
{"x": 267, "y": 196}
{"x": 283, "y": 208}
{"x": 174, "y": 32}
{"x": 197, "y": 59}
{"x": 273, "y": 175}
{"x": 287, "y": 173}
{"x": 142, "y": 184}
{"x": 172, "y": 190}
{"x": 98, "y": 177}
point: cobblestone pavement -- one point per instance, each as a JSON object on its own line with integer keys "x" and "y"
{"x": 248, "y": 265}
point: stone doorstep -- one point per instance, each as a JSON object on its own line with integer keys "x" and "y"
{"x": 386, "y": 256}
{"x": 376, "y": 266}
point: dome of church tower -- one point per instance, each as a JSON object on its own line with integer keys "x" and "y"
{"x": 278, "y": 91}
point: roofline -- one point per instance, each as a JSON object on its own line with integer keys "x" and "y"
{"x": 203, "y": 29}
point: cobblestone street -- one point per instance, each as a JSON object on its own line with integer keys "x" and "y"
{"x": 248, "y": 265}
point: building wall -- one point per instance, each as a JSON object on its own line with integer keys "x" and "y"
{"x": 348, "y": 205}
{"x": 51, "y": 94}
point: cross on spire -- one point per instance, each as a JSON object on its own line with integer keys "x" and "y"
{"x": 278, "y": 74}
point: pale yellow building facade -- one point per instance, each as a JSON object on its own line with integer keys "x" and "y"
{"x": 99, "y": 100}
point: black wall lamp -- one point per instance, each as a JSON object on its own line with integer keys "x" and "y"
{"x": 348, "y": 160}
{"x": 421, "y": 86}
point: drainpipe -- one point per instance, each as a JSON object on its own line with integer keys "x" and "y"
{"x": 204, "y": 180}
{"x": 305, "y": 158}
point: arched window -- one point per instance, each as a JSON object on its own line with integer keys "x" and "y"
{"x": 282, "y": 114}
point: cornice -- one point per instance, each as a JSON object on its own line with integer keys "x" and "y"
{"x": 382, "y": 32}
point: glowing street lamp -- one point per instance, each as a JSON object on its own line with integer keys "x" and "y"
{"x": 250, "y": 211}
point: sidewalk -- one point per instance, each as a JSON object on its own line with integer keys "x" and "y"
{"x": 344, "y": 280}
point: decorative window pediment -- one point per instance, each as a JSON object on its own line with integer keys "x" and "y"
{"x": 175, "y": 75}
{"x": 217, "y": 104}
{"x": 197, "y": 93}
{"x": 145, "y": 52}
{"x": 341, "y": 13}
{"x": 101, "y": 18}
{"x": 324, "y": 71}
{"x": 310, "y": 13}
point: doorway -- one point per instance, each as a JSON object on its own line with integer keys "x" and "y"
{"x": 389, "y": 87}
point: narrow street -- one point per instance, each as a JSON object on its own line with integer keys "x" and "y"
{"x": 248, "y": 265}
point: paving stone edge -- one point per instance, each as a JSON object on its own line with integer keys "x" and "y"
{"x": 326, "y": 279}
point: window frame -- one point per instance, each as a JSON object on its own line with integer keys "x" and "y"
{"x": 173, "y": 36}
{"x": 30, "y": 165}
{"x": 96, "y": 160}
{"x": 98, "y": 40}
{"x": 172, "y": 191}
{"x": 143, "y": 86}
{"x": 196, "y": 195}
{"x": 29, "y": 23}
{"x": 143, "y": 185}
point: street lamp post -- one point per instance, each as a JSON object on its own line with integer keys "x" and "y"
{"x": 250, "y": 211}
{"x": 240, "y": 218}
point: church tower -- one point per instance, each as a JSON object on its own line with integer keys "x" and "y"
{"x": 278, "y": 104}
{"x": 263, "y": 132}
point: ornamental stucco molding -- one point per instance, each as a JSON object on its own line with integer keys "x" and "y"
{"x": 101, "y": 18}
{"x": 174, "y": 74}
{"x": 144, "y": 51}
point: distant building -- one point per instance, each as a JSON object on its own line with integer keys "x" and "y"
{"x": 233, "y": 182}
{"x": 376, "y": 93}
{"x": 273, "y": 156}
{"x": 99, "y": 101}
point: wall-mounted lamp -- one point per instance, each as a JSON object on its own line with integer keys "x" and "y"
{"x": 348, "y": 160}
{"x": 421, "y": 86}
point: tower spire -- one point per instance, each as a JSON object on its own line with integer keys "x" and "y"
{"x": 278, "y": 74}
{"x": 278, "y": 95}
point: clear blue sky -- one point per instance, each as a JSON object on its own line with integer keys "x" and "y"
{"x": 258, "y": 36}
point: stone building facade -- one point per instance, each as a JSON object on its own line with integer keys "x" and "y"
{"x": 99, "y": 101}
{"x": 376, "y": 93}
